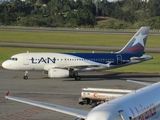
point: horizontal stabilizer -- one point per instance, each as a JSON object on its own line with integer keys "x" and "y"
{"x": 137, "y": 58}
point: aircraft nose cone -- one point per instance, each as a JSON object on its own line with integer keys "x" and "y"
{"x": 98, "y": 115}
{"x": 3, "y": 64}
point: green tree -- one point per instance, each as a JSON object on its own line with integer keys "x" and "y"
{"x": 154, "y": 7}
{"x": 78, "y": 4}
{"x": 85, "y": 17}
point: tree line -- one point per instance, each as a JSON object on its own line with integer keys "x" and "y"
{"x": 80, "y": 13}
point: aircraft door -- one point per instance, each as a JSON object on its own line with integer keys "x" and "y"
{"x": 124, "y": 116}
{"x": 26, "y": 59}
{"x": 119, "y": 59}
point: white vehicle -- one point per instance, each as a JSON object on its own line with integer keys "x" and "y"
{"x": 58, "y": 65}
{"x": 142, "y": 104}
{"x": 96, "y": 96}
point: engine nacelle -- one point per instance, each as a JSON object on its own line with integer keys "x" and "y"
{"x": 58, "y": 73}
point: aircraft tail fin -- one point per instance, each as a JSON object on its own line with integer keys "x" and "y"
{"x": 137, "y": 43}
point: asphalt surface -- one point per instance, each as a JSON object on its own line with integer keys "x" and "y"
{"x": 75, "y": 47}
{"x": 64, "y": 91}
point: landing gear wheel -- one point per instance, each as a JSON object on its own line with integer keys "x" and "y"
{"x": 25, "y": 77}
{"x": 78, "y": 78}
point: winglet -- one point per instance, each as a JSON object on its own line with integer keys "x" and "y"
{"x": 6, "y": 96}
{"x": 108, "y": 64}
{"x": 7, "y": 93}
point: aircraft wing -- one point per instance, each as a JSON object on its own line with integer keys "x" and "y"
{"x": 88, "y": 66}
{"x": 66, "y": 110}
{"x": 81, "y": 66}
{"x": 76, "y": 67}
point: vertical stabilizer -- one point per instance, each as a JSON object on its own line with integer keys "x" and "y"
{"x": 137, "y": 43}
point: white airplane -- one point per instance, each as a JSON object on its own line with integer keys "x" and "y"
{"x": 142, "y": 104}
{"x": 58, "y": 65}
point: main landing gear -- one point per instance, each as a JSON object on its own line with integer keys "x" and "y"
{"x": 74, "y": 74}
{"x": 76, "y": 77}
{"x": 25, "y": 77}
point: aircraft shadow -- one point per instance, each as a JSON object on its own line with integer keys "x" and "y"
{"x": 117, "y": 76}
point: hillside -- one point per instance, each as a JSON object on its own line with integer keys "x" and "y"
{"x": 81, "y": 13}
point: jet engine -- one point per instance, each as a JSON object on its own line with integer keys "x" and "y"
{"x": 58, "y": 73}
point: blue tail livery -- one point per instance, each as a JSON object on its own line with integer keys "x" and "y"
{"x": 137, "y": 43}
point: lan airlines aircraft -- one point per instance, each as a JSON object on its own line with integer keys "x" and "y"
{"x": 142, "y": 104}
{"x": 58, "y": 65}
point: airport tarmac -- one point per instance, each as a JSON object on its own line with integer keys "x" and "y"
{"x": 64, "y": 91}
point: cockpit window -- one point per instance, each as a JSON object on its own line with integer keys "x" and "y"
{"x": 14, "y": 59}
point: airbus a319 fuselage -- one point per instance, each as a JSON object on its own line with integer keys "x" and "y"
{"x": 35, "y": 61}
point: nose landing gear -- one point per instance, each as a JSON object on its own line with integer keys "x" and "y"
{"x": 25, "y": 77}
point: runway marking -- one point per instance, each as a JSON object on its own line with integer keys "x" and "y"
{"x": 24, "y": 115}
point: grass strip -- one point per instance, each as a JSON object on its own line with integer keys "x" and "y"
{"x": 73, "y": 38}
